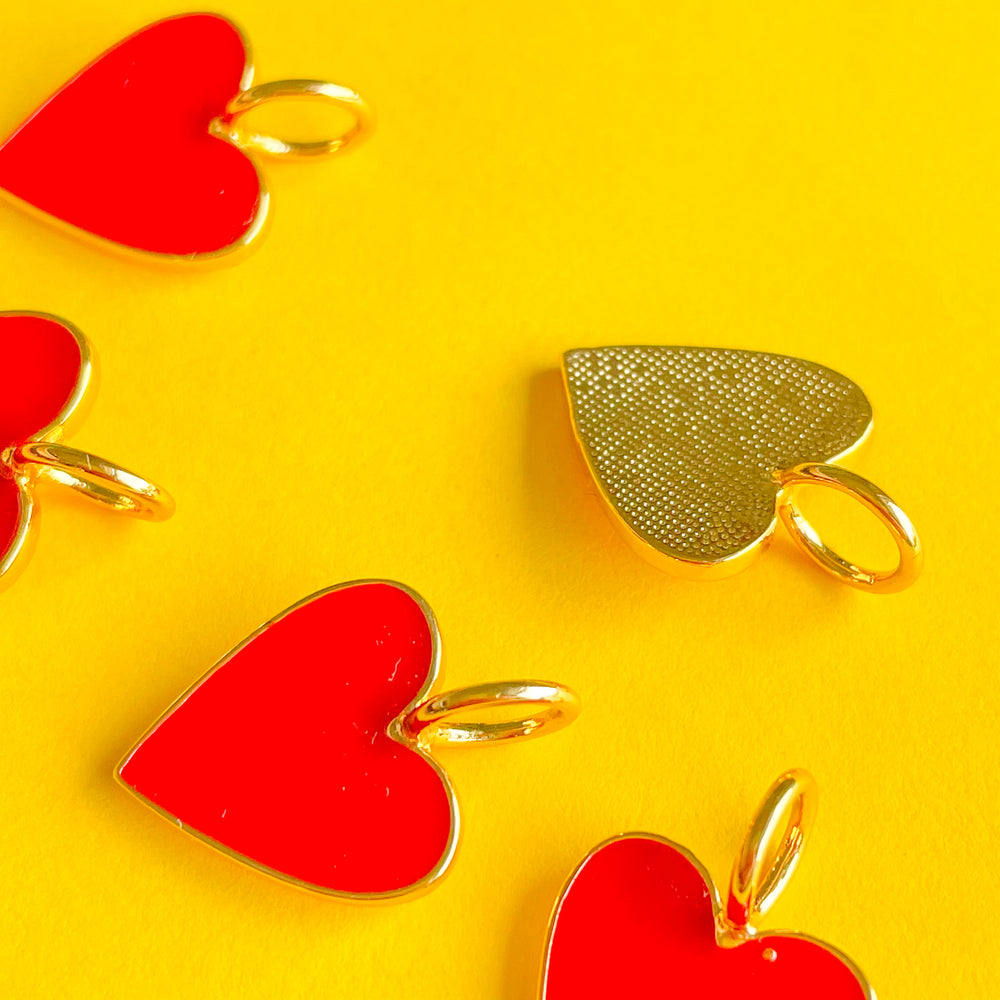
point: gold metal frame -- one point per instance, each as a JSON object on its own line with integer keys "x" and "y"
{"x": 44, "y": 458}
{"x": 247, "y": 98}
{"x": 767, "y": 858}
{"x": 52, "y": 432}
{"x": 806, "y": 538}
{"x": 418, "y": 727}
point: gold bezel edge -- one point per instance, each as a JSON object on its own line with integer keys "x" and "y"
{"x": 655, "y": 552}
{"x": 392, "y": 730}
{"x": 571, "y": 879}
{"x": 50, "y": 432}
{"x": 123, "y": 250}
{"x": 717, "y": 912}
{"x": 22, "y": 535}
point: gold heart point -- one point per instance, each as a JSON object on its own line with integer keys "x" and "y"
{"x": 696, "y": 450}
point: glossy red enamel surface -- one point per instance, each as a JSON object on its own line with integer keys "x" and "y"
{"x": 281, "y": 754}
{"x": 38, "y": 377}
{"x": 123, "y": 149}
{"x": 10, "y": 514}
{"x": 38, "y": 374}
{"x": 637, "y": 921}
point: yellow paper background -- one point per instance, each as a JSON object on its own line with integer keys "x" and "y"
{"x": 373, "y": 392}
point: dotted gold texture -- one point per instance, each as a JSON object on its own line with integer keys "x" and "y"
{"x": 687, "y": 443}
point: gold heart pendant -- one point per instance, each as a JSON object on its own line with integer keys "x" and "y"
{"x": 698, "y": 450}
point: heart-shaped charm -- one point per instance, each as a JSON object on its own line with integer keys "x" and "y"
{"x": 44, "y": 375}
{"x": 641, "y": 917}
{"x": 45, "y": 371}
{"x": 697, "y": 450}
{"x": 306, "y": 751}
{"x": 141, "y": 148}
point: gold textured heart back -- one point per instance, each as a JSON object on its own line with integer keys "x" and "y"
{"x": 688, "y": 444}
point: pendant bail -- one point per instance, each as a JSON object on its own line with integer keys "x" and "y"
{"x": 96, "y": 478}
{"x": 549, "y": 706}
{"x": 771, "y": 849}
{"x": 227, "y": 126}
{"x": 871, "y": 498}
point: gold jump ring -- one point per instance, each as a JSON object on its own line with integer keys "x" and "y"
{"x": 227, "y": 126}
{"x": 771, "y": 847}
{"x": 551, "y": 706}
{"x": 873, "y": 499}
{"x": 94, "y": 477}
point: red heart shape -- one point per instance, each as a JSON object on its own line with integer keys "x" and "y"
{"x": 43, "y": 375}
{"x": 638, "y": 919}
{"x": 123, "y": 150}
{"x": 282, "y": 754}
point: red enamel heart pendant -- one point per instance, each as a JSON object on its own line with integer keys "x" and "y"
{"x": 306, "y": 752}
{"x": 641, "y": 917}
{"x": 44, "y": 375}
{"x": 144, "y": 147}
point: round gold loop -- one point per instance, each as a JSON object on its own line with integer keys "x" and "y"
{"x": 228, "y": 127}
{"x": 549, "y": 707}
{"x": 96, "y": 478}
{"x": 871, "y": 497}
{"x": 771, "y": 847}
